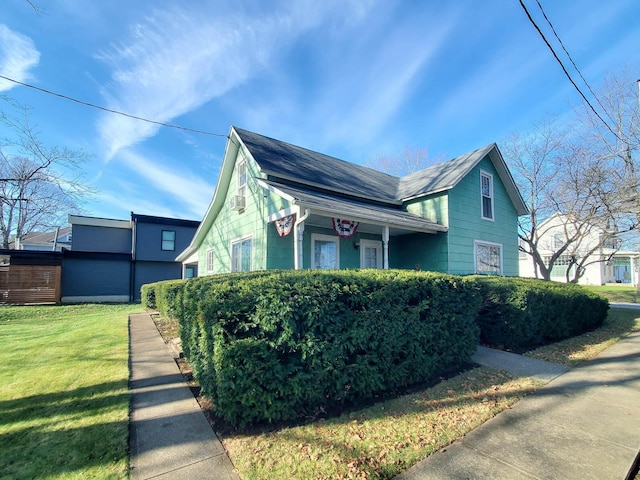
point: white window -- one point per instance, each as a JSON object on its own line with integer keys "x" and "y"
{"x": 370, "y": 254}
{"x": 241, "y": 255}
{"x": 325, "y": 252}
{"x": 168, "y": 240}
{"x": 488, "y": 257}
{"x": 241, "y": 189}
{"x": 210, "y": 260}
{"x": 486, "y": 187}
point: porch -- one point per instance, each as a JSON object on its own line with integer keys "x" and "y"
{"x": 333, "y": 233}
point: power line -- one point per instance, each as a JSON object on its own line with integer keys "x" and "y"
{"x": 117, "y": 112}
{"x": 524, "y": 7}
{"x": 572, "y": 62}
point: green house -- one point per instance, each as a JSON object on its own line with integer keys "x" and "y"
{"x": 280, "y": 206}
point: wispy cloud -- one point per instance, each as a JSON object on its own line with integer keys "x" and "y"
{"x": 185, "y": 189}
{"x": 175, "y": 61}
{"x": 352, "y": 80}
{"x": 18, "y": 55}
{"x": 385, "y": 83}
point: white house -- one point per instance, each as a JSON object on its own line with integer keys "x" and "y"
{"x": 605, "y": 262}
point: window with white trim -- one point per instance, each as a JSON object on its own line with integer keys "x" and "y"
{"x": 325, "y": 252}
{"x": 488, "y": 258}
{"x": 486, "y": 188}
{"x": 210, "y": 260}
{"x": 370, "y": 254}
{"x": 241, "y": 185}
{"x": 241, "y": 255}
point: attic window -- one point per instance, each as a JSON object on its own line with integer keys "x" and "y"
{"x": 486, "y": 184}
{"x": 242, "y": 178}
{"x": 210, "y": 260}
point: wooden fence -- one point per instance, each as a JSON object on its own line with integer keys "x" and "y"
{"x": 29, "y": 284}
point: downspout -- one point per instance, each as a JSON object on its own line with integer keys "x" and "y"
{"x": 298, "y": 236}
{"x": 132, "y": 265}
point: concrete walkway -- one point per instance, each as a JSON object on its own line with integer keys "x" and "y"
{"x": 170, "y": 436}
{"x": 583, "y": 424}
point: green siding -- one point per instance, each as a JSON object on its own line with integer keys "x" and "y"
{"x": 422, "y": 251}
{"x": 280, "y": 254}
{"x": 231, "y": 225}
{"x": 280, "y": 250}
{"x": 459, "y": 209}
{"x": 434, "y": 208}
{"x": 466, "y": 224}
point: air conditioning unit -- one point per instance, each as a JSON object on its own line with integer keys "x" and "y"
{"x": 236, "y": 203}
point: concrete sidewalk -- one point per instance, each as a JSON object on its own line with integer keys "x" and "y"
{"x": 169, "y": 435}
{"x": 583, "y": 424}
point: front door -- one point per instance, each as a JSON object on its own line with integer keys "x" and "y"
{"x": 370, "y": 254}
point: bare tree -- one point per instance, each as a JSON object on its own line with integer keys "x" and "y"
{"x": 563, "y": 181}
{"x": 534, "y": 159}
{"x": 404, "y": 162}
{"x": 39, "y": 185}
{"x": 616, "y": 144}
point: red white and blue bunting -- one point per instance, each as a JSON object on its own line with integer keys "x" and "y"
{"x": 284, "y": 225}
{"x": 344, "y": 228}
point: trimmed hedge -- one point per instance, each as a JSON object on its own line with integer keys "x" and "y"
{"x": 280, "y": 345}
{"x": 148, "y": 295}
{"x": 519, "y": 313}
{"x": 270, "y": 346}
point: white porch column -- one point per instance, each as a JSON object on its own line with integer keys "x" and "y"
{"x": 385, "y": 246}
{"x": 298, "y": 237}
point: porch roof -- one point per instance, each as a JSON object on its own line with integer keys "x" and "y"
{"x": 326, "y": 205}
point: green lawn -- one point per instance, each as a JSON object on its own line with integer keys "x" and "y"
{"x": 64, "y": 398}
{"x": 617, "y": 293}
{"x": 576, "y": 350}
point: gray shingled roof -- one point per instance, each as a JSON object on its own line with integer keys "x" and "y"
{"x": 442, "y": 176}
{"x": 282, "y": 161}
{"x": 290, "y": 162}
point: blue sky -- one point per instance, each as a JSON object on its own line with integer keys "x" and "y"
{"x": 355, "y": 79}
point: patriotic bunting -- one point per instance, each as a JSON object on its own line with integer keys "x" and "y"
{"x": 344, "y": 228}
{"x": 283, "y": 225}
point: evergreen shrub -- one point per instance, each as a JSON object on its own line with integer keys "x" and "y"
{"x": 169, "y": 297}
{"x": 280, "y": 345}
{"x": 519, "y": 313}
{"x": 148, "y": 296}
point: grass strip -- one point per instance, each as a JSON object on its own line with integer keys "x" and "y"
{"x": 574, "y": 351}
{"x": 616, "y": 293}
{"x": 383, "y": 440}
{"x": 64, "y": 398}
